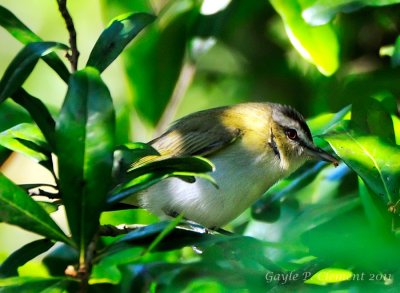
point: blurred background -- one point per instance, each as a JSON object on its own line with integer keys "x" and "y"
{"x": 203, "y": 54}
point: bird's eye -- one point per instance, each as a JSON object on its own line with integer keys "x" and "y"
{"x": 291, "y": 134}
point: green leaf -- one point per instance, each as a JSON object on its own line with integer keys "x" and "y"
{"x": 375, "y": 210}
{"x": 39, "y": 113}
{"x": 22, "y": 65}
{"x": 395, "y": 60}
{"x": 9, "y": 267}
{"x": 127, "y": 154}
{"x": 18, "y": 208}
{"x": 374, "y": 159}
{"x": 317, "y": 44}
{"x": 27, "y": 139}
{"x": 144, "y": 176}
{"x": 371, "y": 117}
{"x": 322, "y": 11}
{"x": 116, "y": 37}
{"x": 10, "y": 115}
{"x": 34, "y": 284}
{"x": 23, "y": 34}
{"x": 85, "y": 143}
{"x": 153, "y": 87}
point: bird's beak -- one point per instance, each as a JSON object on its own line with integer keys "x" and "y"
{"x": 320, "y": 154}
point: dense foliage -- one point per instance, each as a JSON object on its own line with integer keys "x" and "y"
{"x": 322, "y": 229}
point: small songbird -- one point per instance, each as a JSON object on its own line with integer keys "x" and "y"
{"x": 252, "y": 145}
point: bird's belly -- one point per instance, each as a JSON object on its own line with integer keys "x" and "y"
{"x": 205, "y": 204}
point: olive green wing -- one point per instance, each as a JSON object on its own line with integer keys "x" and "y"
{"x": 199, "y": 134}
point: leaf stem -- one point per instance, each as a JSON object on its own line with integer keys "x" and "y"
{"x": 74, "y": 55}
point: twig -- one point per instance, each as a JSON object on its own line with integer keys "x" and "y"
{"x": 73, "y": 57}
{"x": 184, "y": 81}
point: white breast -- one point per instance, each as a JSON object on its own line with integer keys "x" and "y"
{"x": 241, "y": 180}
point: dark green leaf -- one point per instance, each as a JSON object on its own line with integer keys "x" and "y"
{"x": 116, "y": 37}
{"x": 146, "y": 175}
{"x": 154, "y": 86}
{"x": 126, "y": 155}
{"x": 23, "y": 34}
{"x": 188, "y": 164}
{"x": 9, "y": 267}
{"x": 85, "y": 144}
{"x": 22, "y": 65}
{"x": 59, "y": 258}
{"x": 322, "y": 11}
{"x": 39, "y": 113}
{"x": 18, "y": 208}
{"x": 375, "y": 210}
{"x": 27, "y": 139}
{"x": 371, "y": 117}
{"x": 177, "y": 238}
{"x": 374, "y": 159}
{"x": 395, "y": 60}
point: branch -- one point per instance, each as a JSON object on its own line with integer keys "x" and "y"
{"x": 73, "y": 57}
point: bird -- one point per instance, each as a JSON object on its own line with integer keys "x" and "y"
{"x": 252, "y": 146}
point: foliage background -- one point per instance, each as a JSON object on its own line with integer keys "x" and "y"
{"x": 317, "y": 220}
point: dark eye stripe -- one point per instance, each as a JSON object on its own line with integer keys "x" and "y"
{"x": 293, "y": 114}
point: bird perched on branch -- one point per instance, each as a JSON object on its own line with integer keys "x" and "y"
{"x": 252, "y": 145}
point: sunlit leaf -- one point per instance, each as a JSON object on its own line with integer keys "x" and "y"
{"x": 322, "y": 11}
{"x": 317, "y": 44}
{"x": 330, "y": 275}
{"x": 23, "y": 34}
{"x": 116, "y": 37}
{"x": 27, "y": 139}
{"x": 85, "y": 144}
{"x": 375, "y": 160}
{"x": 18, "y": 208}
{"x": 22, "y": 65}
{"x": 21, "y": 256}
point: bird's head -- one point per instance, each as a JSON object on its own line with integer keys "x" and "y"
{"x": 291, "y": 139}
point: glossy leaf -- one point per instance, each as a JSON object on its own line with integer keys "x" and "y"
{"x": 27, "y": 139}
{"x": 39, "y": 113}
{"x": 18, "y": 208}
{"x": 374, "y": 159}
{"x": 322, "y": 11}
{"x": 116, "y": 37}
{"x": 127, "y": 154}
{"x": 317, "y": 44}
{"x": 144, "y": 176}
{"x": 177, "y": 238}
{"x": 23, "y": 34}
{"x": 85, "y": 143}
{"x": 22, "y": 65}
{"x": 21, "y": 256}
